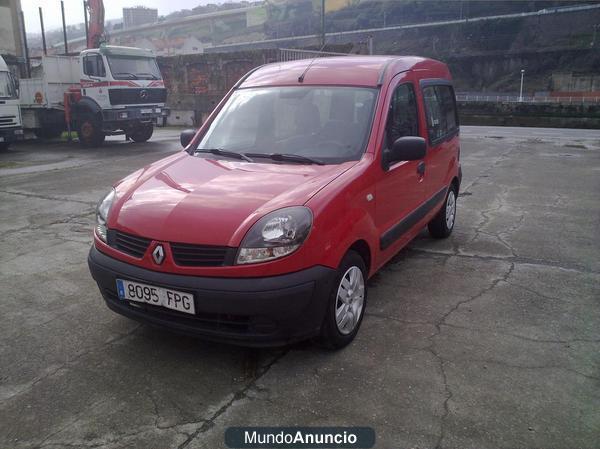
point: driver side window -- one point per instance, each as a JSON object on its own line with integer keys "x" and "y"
{"x": 402, "y": 116}
{"x": 93, "y": 66}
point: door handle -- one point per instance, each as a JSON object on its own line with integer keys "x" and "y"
{"x": 421, "y": 168}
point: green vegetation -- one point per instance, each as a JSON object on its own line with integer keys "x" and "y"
{"x": 301, "y": 17}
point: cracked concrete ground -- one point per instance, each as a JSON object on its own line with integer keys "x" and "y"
{"x": 489, "y": 339}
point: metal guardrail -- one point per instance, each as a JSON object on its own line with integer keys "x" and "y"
{"x": 289, "y": 54}
{"x": 530, "y": 100}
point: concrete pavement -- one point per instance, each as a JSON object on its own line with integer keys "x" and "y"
{"x": 489, "y": 339}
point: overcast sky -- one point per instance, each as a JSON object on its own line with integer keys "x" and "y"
{"x": 113, "y": 10}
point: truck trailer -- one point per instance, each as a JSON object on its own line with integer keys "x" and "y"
{"x": 10, "y": 114}
{"x": 103, "y": 91}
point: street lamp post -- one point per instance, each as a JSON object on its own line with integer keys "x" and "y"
{"x": 521, "y": 90}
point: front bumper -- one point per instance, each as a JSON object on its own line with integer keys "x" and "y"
{"x": 8, "y": 135}
{"x": 137, "y": 113}
{"x": 267, "y": 311}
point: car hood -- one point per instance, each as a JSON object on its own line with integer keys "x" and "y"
{"x": 200, "y": 200}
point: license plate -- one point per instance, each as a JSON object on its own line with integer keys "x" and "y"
{"x": 146, "y": 111}
{"x": 158, "y": 296}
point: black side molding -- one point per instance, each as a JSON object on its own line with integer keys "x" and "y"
{"x": 403, "y": 226}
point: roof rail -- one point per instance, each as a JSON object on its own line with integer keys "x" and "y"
{"x": 245, "y": 77}
{"x": 383, "y": 70}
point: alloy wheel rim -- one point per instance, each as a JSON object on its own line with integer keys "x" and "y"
{"x": 350, "y": 300}
{"x": 450, "y": 209}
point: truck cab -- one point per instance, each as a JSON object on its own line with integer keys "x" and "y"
{"x": 11, "y": 128}
{"x": 121, "y": 92}
{"x": 100, "y": 92}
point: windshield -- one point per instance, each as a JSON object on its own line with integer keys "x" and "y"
{"x": 7, "y": 86}
{"x": 132, "y": 67}
{"x": 330, "y": 124}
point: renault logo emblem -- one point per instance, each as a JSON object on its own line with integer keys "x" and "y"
{"x": 143, "y": 94}
{"x": 158, "y": 254}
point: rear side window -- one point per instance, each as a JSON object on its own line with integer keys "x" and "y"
{"x": 402, "y": 117}
{"x": 440, "y": 109}
{"x": 93, "y": 65}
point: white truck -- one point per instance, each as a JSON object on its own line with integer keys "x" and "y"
{"x": 103, "y": 91}
{"x": 10, "y": 113}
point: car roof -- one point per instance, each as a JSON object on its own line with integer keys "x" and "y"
{"x": 369, "y": 71}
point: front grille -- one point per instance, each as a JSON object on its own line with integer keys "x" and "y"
{"x": 187, "y": 255}
{"x": 184, "y": 254}
{"x": 137, "y": 96}
{"x": 129, "y": 244}
{"x": 6, "y": 120}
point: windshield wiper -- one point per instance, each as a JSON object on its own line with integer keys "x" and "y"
{"x": 288, "y": 157}
{"x": 126, "y": 73}
{"x": 222, "y": 152}
{"x": 154, "y": 77}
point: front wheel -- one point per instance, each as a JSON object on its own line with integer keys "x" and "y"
{"x": 142, "y": 133}
{"x": 347, "y": 302}
{"x": 443, "y": 223}
{"x": 89, "y": 131}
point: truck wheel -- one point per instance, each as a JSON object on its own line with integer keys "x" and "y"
{"x": 142, "y": 133}
{"x": 4, "y": 146}
{"x": 347, "y": 302}
{"x": 89, "y": 131}
{"x": 442, "y": 224}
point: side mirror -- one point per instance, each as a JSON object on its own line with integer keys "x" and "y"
{"x": 405, "y": 149}
{"x": 186, "y": 137}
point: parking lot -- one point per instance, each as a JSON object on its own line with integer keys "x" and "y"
{"x": 488, "y": 339}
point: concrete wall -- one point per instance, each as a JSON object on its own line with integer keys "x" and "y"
{"x": 196, "y": 83}
{"x": 575, "y": 82}
{"x": 523, "y": 114}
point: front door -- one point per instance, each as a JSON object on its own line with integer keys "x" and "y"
{"x": 400, "y": 187}
{"x": 94, "y": 82}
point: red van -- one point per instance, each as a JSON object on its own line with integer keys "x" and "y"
{"x": 304, "y": 181}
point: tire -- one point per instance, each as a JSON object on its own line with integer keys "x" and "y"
{"x": 142, "y": 133}
{"x": 443, "y": 223}
{"x": 337, "y": 333}
{"x": 89, "y": 131}
{"x": 4, "y": 146}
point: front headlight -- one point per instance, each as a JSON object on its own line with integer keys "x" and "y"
{"x": 276, "y": 235}
{"x": 102, "y": 211}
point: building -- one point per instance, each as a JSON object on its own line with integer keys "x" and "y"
{"x": 11, "y": 38}
{"x": 140, "y": 15}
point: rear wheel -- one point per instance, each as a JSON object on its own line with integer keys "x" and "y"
{"x": 142, "y": 133}
{"x": 347, "y": 302}
{"x": 443, "y": 223}
{"x": 89, "y": 131}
